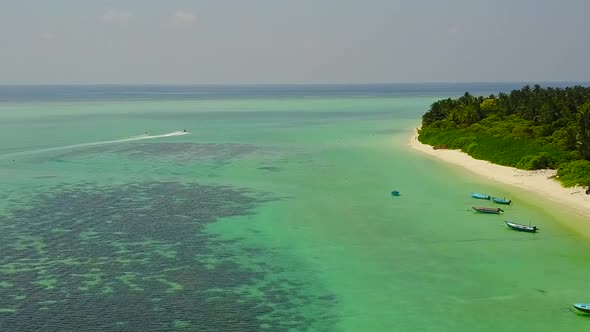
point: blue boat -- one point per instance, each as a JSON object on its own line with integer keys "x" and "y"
{"x": 480, "y": 196}
{"x": 583, "y": 307}
{"x": 501, "y": 200}
{"x": 395, "y": 193}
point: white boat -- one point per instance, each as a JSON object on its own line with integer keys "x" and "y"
{"x": 521, "y": 227}
{"x": 583, "y": 307}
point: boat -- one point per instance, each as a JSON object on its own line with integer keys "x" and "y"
{"x": 583, "y": 307}
{"x": 522, "y": 228}
{"x": 487, "y": 210}
{"x": 395, "y": 193}
{"x": 480, "y": 196}
{"x": 501, "y": 200}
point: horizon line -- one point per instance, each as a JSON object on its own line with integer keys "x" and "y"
{"x": 286, "y": 84}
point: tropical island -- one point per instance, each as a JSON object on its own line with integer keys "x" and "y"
{"x": 529, "y": 129}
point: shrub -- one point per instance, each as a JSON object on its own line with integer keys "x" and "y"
{"x": 520, "y": 131}
{"x": 541, "y": 160}
{"x": 460, "y": 142}
{"x": 477, "y": 128}
{"x": 470, "y": 148}
{"x": 574, "y": 173}
{"x": 543, "y": 140}
{"x": 443, "y": 124}
{"x": 574, "y": 155}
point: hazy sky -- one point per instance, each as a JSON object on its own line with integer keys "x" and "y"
{"x": 293, "y": 41}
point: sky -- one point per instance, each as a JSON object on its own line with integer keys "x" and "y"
{"x": 293, "y": 41}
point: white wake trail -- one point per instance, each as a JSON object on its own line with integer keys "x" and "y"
{"x": 83, "y": 145}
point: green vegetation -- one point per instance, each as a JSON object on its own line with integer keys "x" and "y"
{"x": 531, "y": 128}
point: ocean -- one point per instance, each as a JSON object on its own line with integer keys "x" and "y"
{"x": 263, "y": 208}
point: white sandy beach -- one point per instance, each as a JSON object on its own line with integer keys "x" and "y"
{"x": 538, "y": 182}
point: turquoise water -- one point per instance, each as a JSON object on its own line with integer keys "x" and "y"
{"x": 273, "y": 213}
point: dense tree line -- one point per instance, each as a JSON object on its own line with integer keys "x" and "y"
{"x": 530, "y": 128}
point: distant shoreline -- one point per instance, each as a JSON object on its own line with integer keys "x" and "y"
{"x": 91, "y": 92}
{"x": 537, "y": 182}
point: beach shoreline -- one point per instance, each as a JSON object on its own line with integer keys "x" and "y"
{"x": 538, "y": 182}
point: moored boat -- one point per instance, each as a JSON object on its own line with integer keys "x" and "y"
{"x": 480, "y": 196}
{"x": 487, "y": 210}
{"x": 583, "y": 307}
{"x": 521, "y": 227}
{"x": 395, "y": 193}
{"x": 501, "y": 200}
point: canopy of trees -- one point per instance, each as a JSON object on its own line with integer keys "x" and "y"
{"x": 530, "y": 128}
